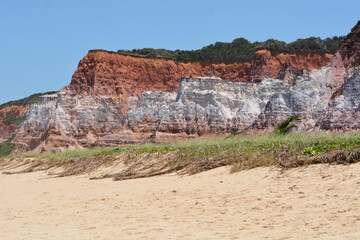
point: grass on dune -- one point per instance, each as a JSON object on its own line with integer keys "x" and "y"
{"x": 77, "y": 153}
{"x": 241, "y": 152}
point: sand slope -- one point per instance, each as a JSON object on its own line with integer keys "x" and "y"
{"x": 319, "y": 201}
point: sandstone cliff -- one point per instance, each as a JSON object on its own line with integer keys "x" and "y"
{"x": 350, "y": 48}
{"x": 12, "y": 114}
{"x": 327, "y": 98}
{"x": 114, "y": 99}
{"x": 285, "y": 65}
{"x": 8, "y": 120}
{"x": 109, "y": 74}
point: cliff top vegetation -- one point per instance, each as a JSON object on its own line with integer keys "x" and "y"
{"x": 240, "y": 49}
{"x": 25, "y": 101}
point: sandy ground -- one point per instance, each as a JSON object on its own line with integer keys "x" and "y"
{"x": 319, "y": 201}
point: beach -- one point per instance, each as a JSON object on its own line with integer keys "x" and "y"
{"x": 311, "y": 202}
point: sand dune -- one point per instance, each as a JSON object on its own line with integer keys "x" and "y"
{"x": 316, "y": 202}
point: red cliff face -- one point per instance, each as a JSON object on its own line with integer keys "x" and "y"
{"x": 271, "y": 63}
{"x": 117, "y": 76}
{"x": 100, "y": 69}
{"x": 346, "y": 59}
{"x": 109, "y": 74}
{"x": 6, "y": 127}
{"x": 350, "y": 48}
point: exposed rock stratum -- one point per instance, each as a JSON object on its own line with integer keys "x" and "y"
{"x": 118, "y": 99}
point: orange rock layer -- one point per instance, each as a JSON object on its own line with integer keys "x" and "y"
{"x": 268, "y": 63}
{"x": 6, "y": 129}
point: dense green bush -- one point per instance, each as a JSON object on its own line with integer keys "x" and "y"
{"x": 14, "y": 120}
{"x": 273, "y": 44}
{"x": 151, "y": 53}
{"x": 315, "y": 44}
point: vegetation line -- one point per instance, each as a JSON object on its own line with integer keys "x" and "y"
{"x": 240, "y": 49}
{"x": 25, "y": 101}
{"x": 240, "y": 152}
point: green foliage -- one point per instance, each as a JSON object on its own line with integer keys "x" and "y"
{"x": 6, "y": 147}
{"x": 25, "y": 101}
{"x": 320, "y": 147}
{"x": 285, "y": 127}
{"x": 315, "y": 44}
{"x": 299, "y": 143}
{"x": 14, "y": 120}
{"x": 80, "y": 153}
{"x": 273, "y": 44}
{"x": 242, "y": 152}
{"x": 240, "y": 49}
{"x": 150, "y": 53}
{"x": 314, "y": 150}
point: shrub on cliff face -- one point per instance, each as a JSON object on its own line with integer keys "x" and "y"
{"x": 14, "y": 120}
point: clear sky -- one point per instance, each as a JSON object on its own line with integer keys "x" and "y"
{"x": 42, "y": 41}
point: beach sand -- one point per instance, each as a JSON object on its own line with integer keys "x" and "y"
{"x": 314, "y": 202}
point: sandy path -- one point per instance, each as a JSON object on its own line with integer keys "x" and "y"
{"x": 313, "y": 202}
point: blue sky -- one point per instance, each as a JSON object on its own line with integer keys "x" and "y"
{"x": 42, "y": 41}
